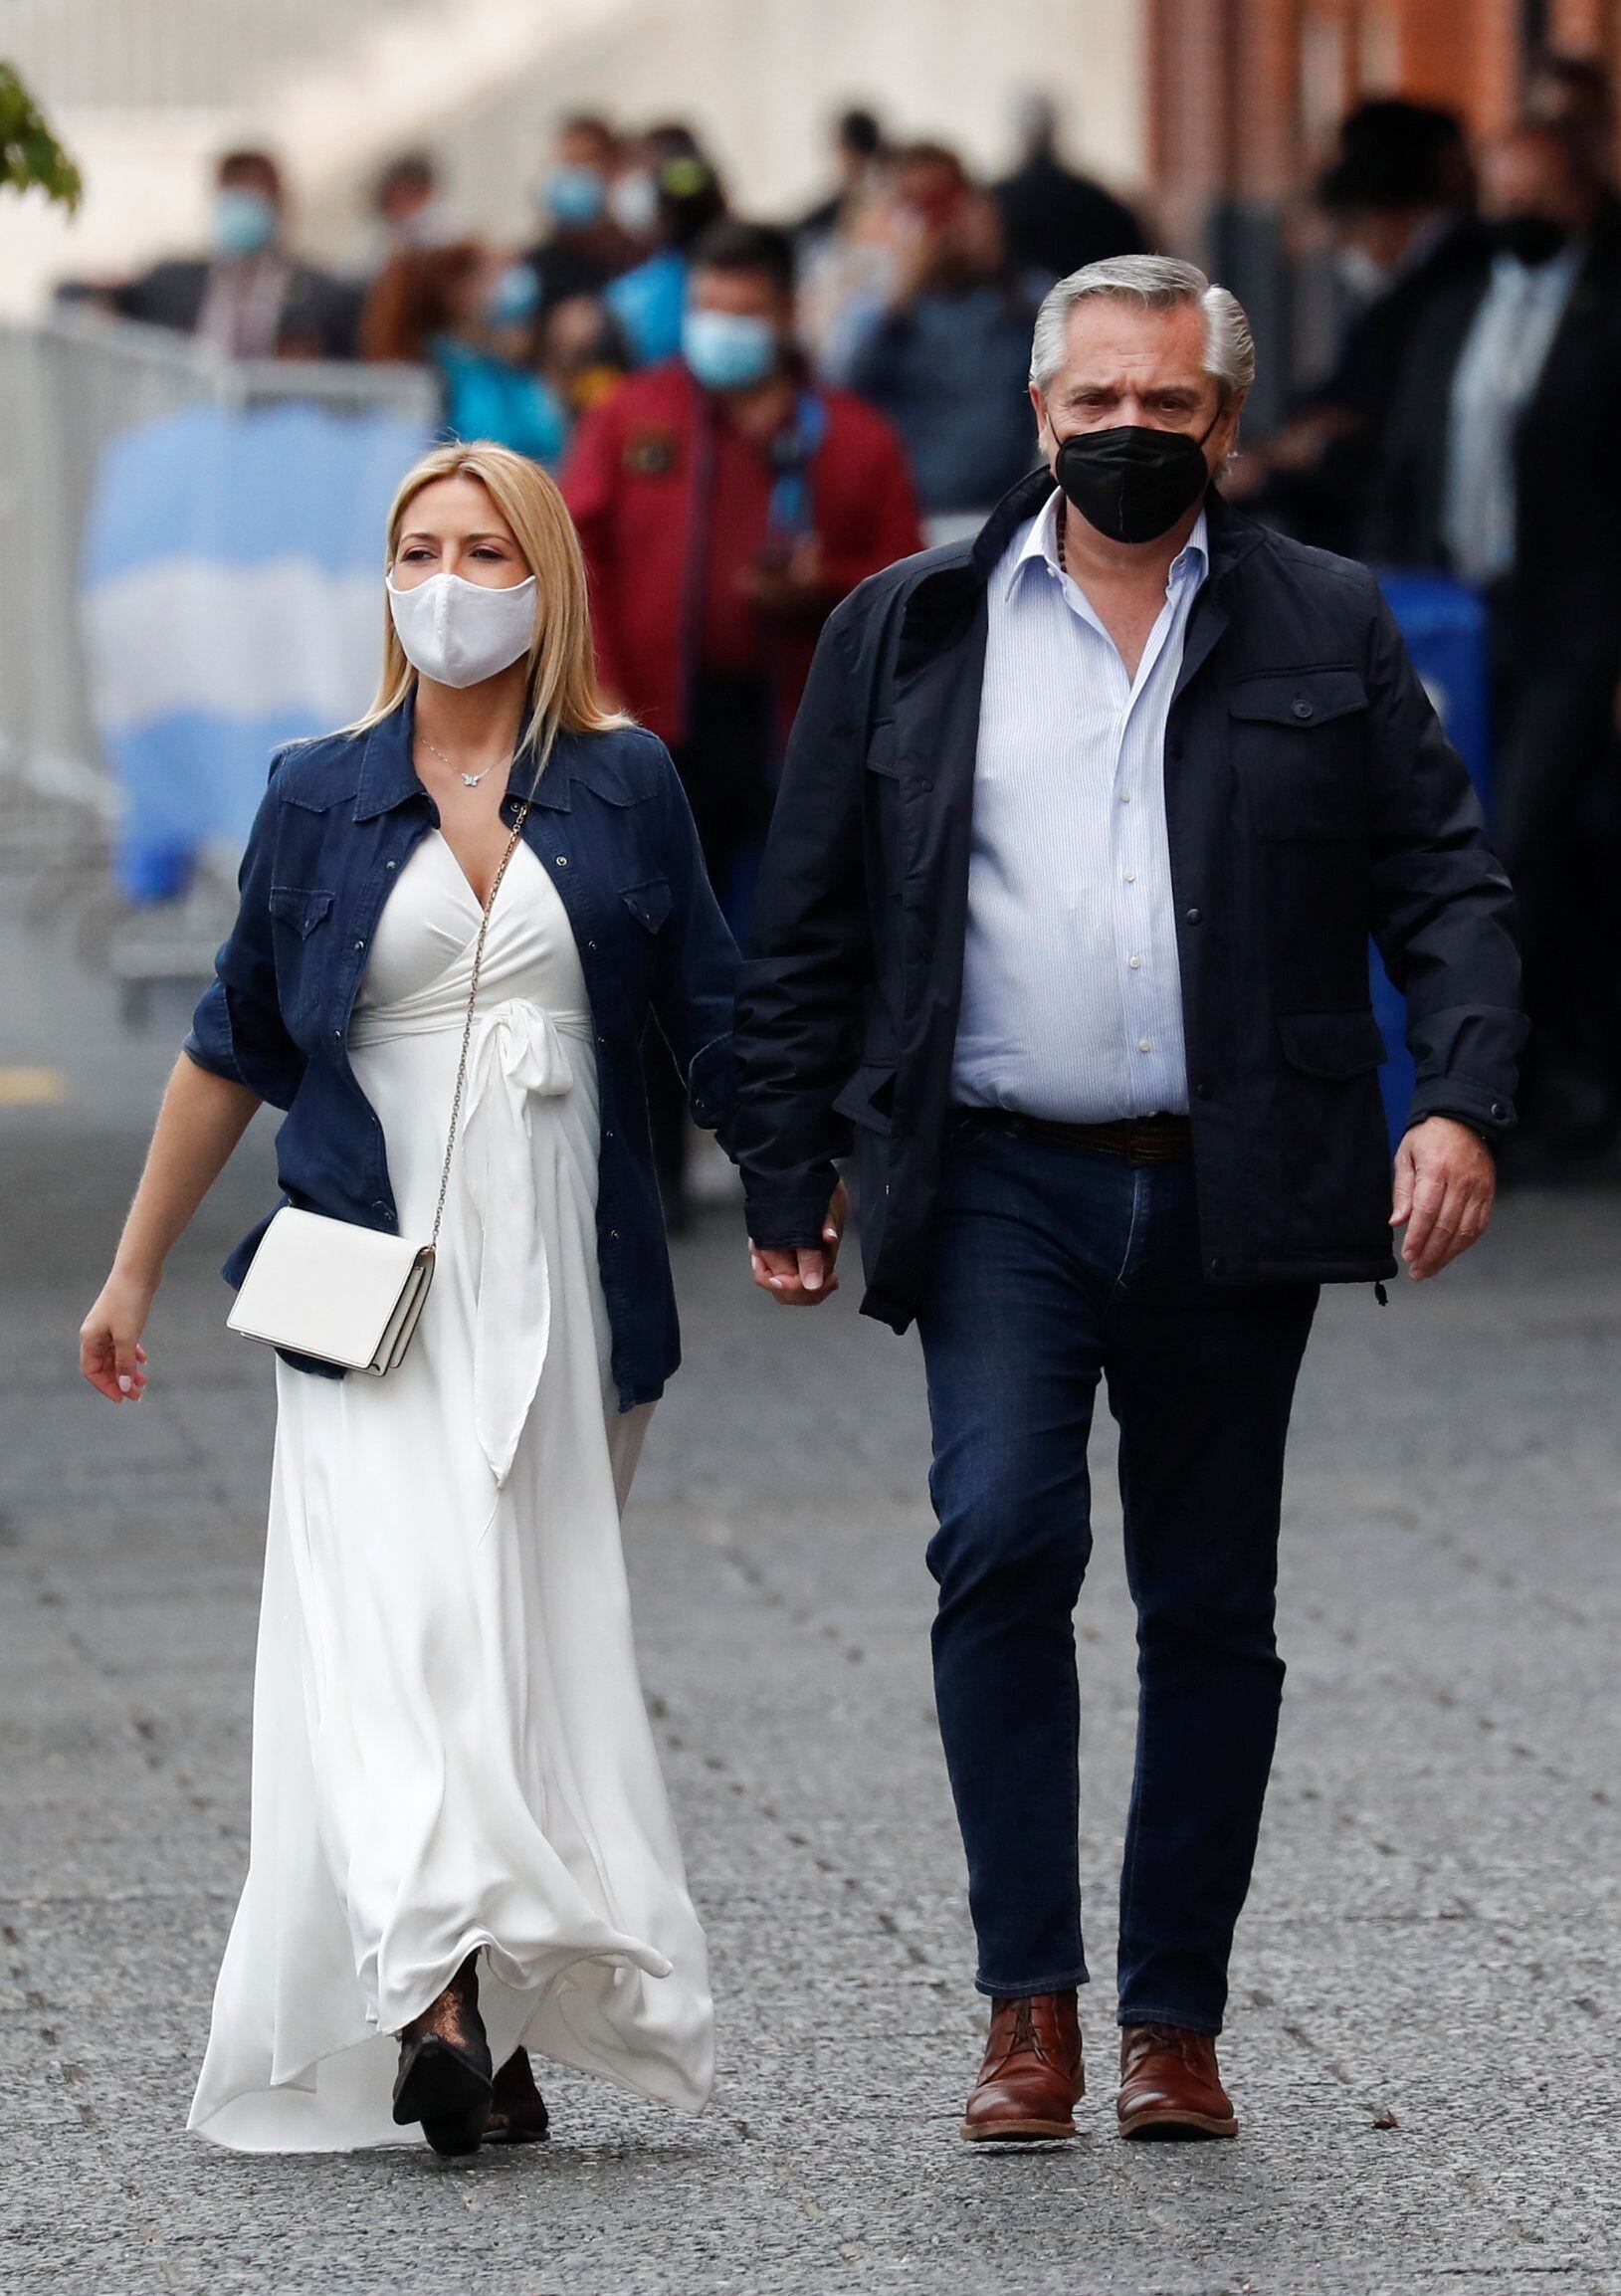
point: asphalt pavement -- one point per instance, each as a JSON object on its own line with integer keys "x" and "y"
{"x": 1423, "y": 2045}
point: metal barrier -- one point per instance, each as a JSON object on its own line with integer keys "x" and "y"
{"x": 67, "y": 386}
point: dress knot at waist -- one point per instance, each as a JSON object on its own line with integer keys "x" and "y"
{"x": 432, "y": 1013}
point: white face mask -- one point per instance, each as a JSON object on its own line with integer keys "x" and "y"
{"x": 459, "y": 633}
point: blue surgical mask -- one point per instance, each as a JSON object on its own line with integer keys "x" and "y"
{"x": 575, "y": 195}
{"x": 513, "y": 297}
{"x": 728, "y": 351}
{"x": 244, "y": 221}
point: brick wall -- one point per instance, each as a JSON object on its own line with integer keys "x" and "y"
{"x": 1243, "y": 97}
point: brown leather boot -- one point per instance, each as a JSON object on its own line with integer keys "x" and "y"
{"x": 1031, "y": 2079}
{"x": 1169, "y": 2085}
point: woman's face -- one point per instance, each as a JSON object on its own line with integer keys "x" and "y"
{"x": 454, "y": 528}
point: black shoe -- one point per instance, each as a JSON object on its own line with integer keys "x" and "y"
{"x": 517, "y": 2111}
{"x": 446, "y": 2077}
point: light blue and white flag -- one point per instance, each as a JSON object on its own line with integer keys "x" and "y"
{"x": 232, "y": 599}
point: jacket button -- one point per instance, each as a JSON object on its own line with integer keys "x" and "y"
{"x": 591, "y": 945}
{"x": 380, "y": 1208}
{"x": 1195, "y": 916}
{"x": 563, "y": 860}
{"x": 613, "y": 1235}
{"x": 1302, "y": 707}
{"x": 360, "y": 944}
{"x": 1217, "y": 1265}
{"x": 1202, "y": 1091}
{"x": 1497, "y": 1110}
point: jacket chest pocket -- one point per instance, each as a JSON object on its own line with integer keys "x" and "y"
{"x": 648, "y": 902}
{"x": 304, "y": 938}
{"x": 1299, "y": 760}
{"x": 300, "y": 908}
{"x": 1298, "y": 753}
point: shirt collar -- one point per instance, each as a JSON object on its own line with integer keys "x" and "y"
{"x": 1512, "y": 278}
{"x": 1191, "y": 563}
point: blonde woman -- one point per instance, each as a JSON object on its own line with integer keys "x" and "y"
{"x": 462, "y": 1850}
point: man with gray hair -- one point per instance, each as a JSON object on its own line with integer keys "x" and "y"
{"x": 1064, "y": 922}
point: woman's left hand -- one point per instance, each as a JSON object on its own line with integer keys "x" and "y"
{"x": 804, "y": 1278}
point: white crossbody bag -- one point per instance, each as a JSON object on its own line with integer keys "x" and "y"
{"x": 345, "y": 1295}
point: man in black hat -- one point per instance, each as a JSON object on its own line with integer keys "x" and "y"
{"x": 1399, "y": 202}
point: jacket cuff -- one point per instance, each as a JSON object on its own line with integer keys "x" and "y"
{"x": 789, "y": 1219}
{"x": 1490, "y": 1113}
{"x": 213, "y": 1050}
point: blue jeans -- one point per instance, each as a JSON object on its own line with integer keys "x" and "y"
{"x": 1051, "y": 1267}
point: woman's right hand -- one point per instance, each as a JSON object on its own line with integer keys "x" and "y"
{"x": 110, "y": 1354}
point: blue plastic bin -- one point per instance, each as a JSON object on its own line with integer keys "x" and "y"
{"x": 1447, "y": 634}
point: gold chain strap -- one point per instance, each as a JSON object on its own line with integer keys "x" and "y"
{"x": 467, "y": 1026}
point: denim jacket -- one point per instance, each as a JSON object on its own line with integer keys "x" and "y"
{"x": 611, "y": 827}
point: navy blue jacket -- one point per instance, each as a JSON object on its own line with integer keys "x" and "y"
{"x": 610, "y": 825}
{"x": 1311, "y": 798}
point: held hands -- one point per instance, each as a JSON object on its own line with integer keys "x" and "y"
{"x": 1446, "y": 1182}
{"x": 110, "y": 1354}
{"x": 804, "y": 1278}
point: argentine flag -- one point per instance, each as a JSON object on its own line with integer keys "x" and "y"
{"x": 232, "y": 599}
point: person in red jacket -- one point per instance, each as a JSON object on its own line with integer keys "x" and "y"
{"x": 726, "y": 506}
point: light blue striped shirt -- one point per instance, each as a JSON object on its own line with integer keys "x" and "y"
{"x": 1072, "y": 999}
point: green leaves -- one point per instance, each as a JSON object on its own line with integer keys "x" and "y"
{"x": 28, "y": 153}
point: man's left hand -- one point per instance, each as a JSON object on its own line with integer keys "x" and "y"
{"x": 1446, "y": 1184}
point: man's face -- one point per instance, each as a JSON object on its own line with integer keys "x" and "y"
{"x": 1126, "y": 366}
{"x": 1530, "y": 175}
{"x": 583, "y": 147}
{"x": 743, "y": 294}
{"x": 252, "y": 175}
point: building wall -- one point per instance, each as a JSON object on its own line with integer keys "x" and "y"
{"x": 1243, "y": 97}
{"x": 761, "y": 77}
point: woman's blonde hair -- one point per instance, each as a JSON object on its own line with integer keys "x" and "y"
{"x": 564, "y": 696}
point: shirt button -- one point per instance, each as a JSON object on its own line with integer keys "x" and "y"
{"x": 1143, "y": 1045}
{"x": 1130, "y": 877}
{"x": 1136, "y": 964}
{"x": 1125, "y": 797}
{"x": 1195, "y": 916}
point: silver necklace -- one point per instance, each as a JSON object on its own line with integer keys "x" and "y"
{"x": 471, "y": 779}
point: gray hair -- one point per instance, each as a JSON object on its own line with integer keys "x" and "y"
{"x": 1153, "y": 283}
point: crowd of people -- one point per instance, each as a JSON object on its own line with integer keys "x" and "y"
{"x": 748, "y": 419}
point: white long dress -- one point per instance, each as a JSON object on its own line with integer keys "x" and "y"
{"x": 450, "y": 1745}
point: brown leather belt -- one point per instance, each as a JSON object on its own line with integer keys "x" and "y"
{"x": 1142, "y": 1139}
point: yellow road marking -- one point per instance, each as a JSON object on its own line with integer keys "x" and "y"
{"x": 31, "y": 1087}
